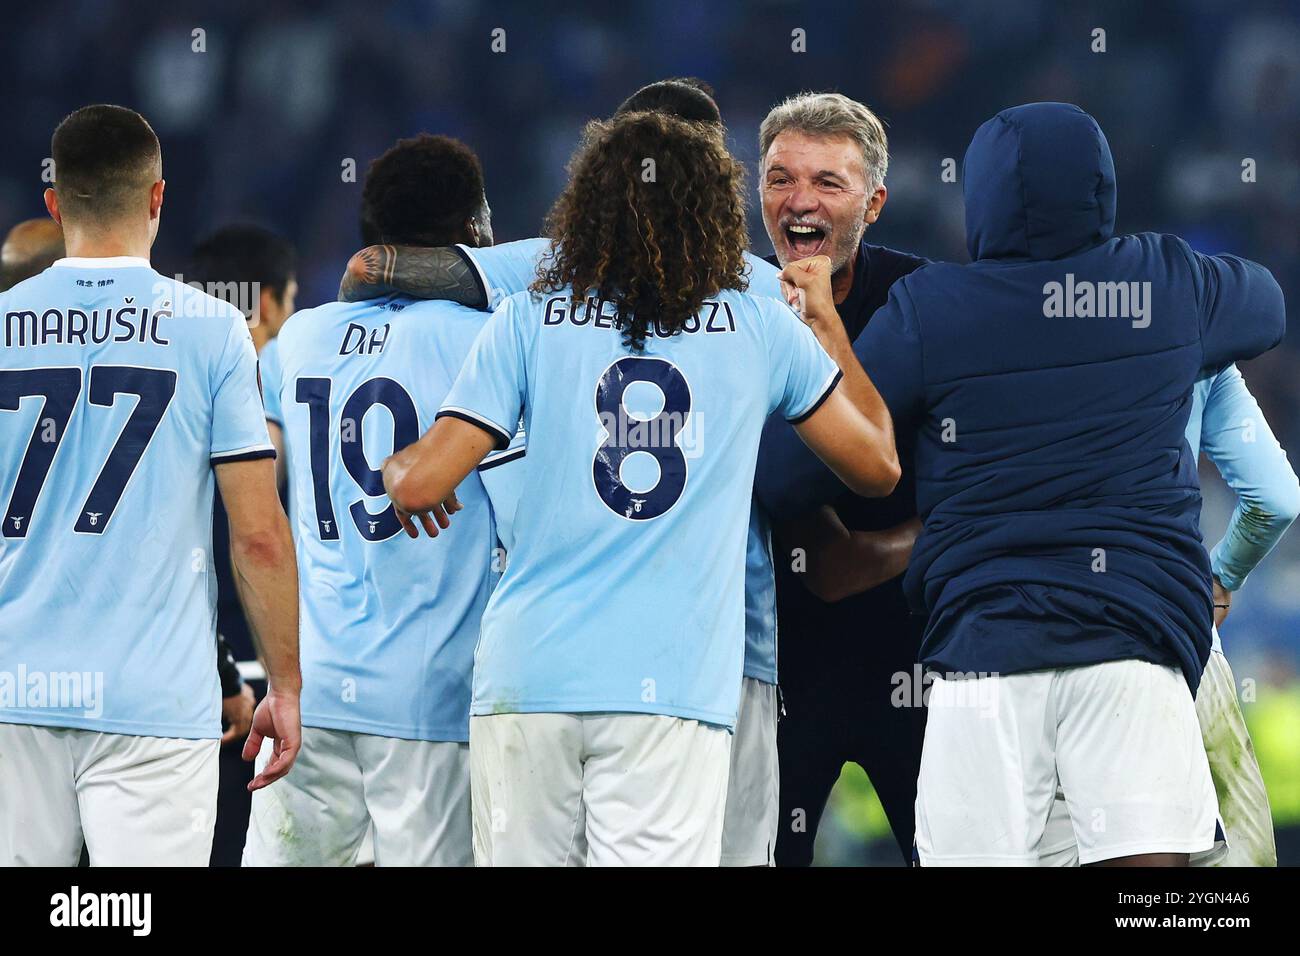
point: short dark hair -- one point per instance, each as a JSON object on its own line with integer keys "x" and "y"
{"x": 682, "y": 96}
{"x": 244, "y": 253}
{"x": 421, "y": 192}
{"x": 105, "y": 160}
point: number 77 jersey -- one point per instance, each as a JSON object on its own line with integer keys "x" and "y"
{"x": 388, "y": 623}
{"x": 119, "y": 390}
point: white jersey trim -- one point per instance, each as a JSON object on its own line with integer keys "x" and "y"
{"x": 248, "y": 449}
{"x": 468, "y": 253}
{"x": 455, "y": 411}
{"x": 824, "y": 394}
{"x": 103, "y": 262}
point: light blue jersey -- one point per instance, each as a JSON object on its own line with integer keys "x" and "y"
{"x": 1226, "y": 422}
{"x": 269, "y": 358}
{"x": 760, "y": 598}
{"x": 509, "y": 268}
{"x": 119, "y": 391}
{"x": 504, "y": 485}
{"x": 624, "y": 588}
{"x": 760, "y": 574}
{"x": 388, "y": 622}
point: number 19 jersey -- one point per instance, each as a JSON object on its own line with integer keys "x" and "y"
{"x": 388, "y": 622}
{"x": 119, "y": 389}
{"x": 624, "y": 590}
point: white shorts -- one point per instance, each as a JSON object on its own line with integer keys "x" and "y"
{"x": 134, "y": 801}
{"x": 597, "y": 790}
{"x": 1243, "y": 800}
{"x": 415, "y": 793}
{"x": 750, "y": 821}
{"x": 1120, "y": 739}
{"x": 1238, "y": 784}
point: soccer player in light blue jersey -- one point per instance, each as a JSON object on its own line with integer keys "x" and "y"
{"x": 482, "y": 277}
{"x": 389, "y": 623}
{"x": 121, "y": 393}
{"x": 750, "y": 821}
{"x": 609, "y": 668}
{"x": 1227, "y": 424}
{"x": 1234, "y": 434}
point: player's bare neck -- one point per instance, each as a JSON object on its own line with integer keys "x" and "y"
{"x": 103, "y": 243}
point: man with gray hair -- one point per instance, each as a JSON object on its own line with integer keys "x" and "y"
{"x": 846, "y": 143}
{"x": 846, "y": 632}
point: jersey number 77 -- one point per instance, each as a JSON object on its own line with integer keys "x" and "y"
{"x": 61, "y": 387}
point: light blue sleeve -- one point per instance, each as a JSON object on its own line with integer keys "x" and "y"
{"x": 505, "y": 269}
{"x": 271, "y": 381}
{"x": 490, "y": 389}
{"x": 238, "y": 419}
{"x": 763, "y": 278}
{"x": 1235, "y": 436}
{"x": 803, "y": 375}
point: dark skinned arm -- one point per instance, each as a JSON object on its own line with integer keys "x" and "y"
{"x": 841, "y": 562}
{"x": 438, "y": 272}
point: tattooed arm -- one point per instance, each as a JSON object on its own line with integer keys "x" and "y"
{"x": 424, "y": 272}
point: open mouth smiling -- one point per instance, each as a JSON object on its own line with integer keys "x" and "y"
{"x": 804, "y": 239}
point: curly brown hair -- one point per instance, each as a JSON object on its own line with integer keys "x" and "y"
{"x": 655, "y": 245}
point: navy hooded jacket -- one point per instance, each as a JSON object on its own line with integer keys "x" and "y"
{"x": 1046, "y": 387}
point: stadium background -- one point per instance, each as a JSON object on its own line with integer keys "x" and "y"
{"x": 259, "y": 127}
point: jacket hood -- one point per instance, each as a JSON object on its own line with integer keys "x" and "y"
{"x": 1039, "y": 183}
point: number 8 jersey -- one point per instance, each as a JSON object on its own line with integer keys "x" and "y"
{"x": 119, "y": 389}
{"x": 624, "y": 591}
{"x": 388, "y": 622}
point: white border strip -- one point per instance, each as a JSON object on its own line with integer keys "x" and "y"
{"x": 218, "y": 455}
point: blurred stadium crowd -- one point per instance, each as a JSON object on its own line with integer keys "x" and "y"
{"x": 260, "y": 125}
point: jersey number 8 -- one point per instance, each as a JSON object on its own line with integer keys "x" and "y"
{"x": 626, "y": 435}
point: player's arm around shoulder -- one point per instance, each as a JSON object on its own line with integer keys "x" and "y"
{"x": 425, "y": 272}
{"x": 851, "y": 430}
